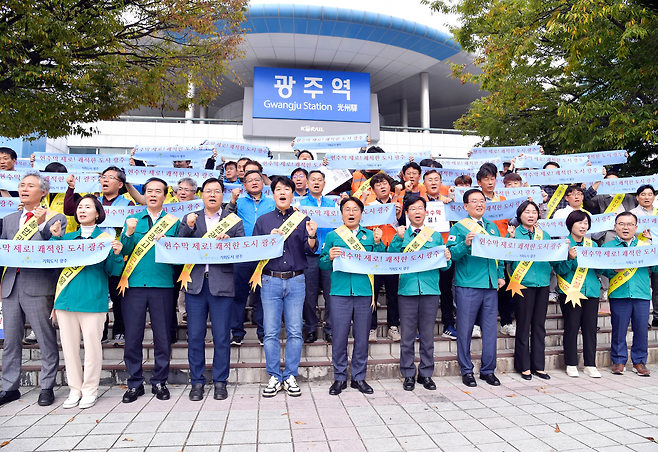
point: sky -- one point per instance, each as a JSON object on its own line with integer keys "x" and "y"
{"x": 405, "y": 9}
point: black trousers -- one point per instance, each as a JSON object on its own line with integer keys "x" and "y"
{"x": 446, "y": 278}
{"x": 529, "y": 343}
{"x": 585, "y": 318}
{"x": 316, "y": 278}
{"x": 390, "y": 283}
{"x": 505, "y": 304}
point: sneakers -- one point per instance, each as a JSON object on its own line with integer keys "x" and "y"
{"x": 272, "y": 388}
{"x": 592, "y": 371}
{"x": 572, "y": 371}
{"x": 291, "y": 387}
{"x": 72, "y": 401}
{"x": 394, "y": 334}
{"x": 372, "y": 337}
{"x": 509, "y": 329}
{"x": 641, "y": 370}
{"x": 618, "y": 369}
{"x": 450, "y": 332}
{"x": 261, "y": 340}
{"x": 87, "y": 401}
{"x": 30, "y": 339}
{"x": 119, "y": 340}
{"x": 236, "y": 340}
{"x": 477, "y": 332}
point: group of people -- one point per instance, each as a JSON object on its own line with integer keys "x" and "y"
{"x": 288, "y": 286}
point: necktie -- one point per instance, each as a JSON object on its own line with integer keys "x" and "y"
{"x": 416, "y": 231}
{"x": 28, "y": 217}
{"x": 481, "y": 223}
{"x": 625, "y": 244}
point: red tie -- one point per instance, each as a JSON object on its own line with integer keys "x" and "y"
{"x": 28, "y": 216}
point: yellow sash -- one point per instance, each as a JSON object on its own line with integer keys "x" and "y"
{"x": 353, "y": 243}
{"x": 221, "y": 228}
{"x": 573, "y": 290}
{"x": 623, "y": 276}
{"x": 615, "y": 203}
{"x": 143, "y": 246}
{"x": 363, "y": 187}
{"x": 288, "y": 226}
{"x": 421, "y": 238}
{"x": 555, "y": 200}
{"x": 473, "y": 226}
{"x": 515, "y": 281}
{"x": 69, "y": 273}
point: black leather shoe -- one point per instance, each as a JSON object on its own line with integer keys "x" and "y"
{"x": 409, "y": 383}
{"x": 469, "y": 380}
{"x": 329, "y": 338}
{"x": 543, "y": 376}
{"x": 491, "y": 379}
{"x": 654, "y": 322}
{"x": 132, "y": 394}
{"x": 311, "y": 337}
{"x": 9, "y": 396}
{"x": 362, "y": 386}
{"x": 47, "y": 397}
{"x": 526, "y": 376}
{"x": 160, "y": 390}
{"x": 427, "y": 383}
{"x": 196, "y": 393}
{"x": 337, "y": 387}
{"x": 220, "y": 391}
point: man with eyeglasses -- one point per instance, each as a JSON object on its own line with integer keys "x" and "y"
{"x": 477, "y": 281}
{"x": 300, "y": 178}
{"x": 186, "y": 190}
{"x": 147, "y": 284}
{"x": 248, "y": 206}
{"x": 646, "y": 196}
{"x": 629, "y": 296}
{"x": 210, "y": 292}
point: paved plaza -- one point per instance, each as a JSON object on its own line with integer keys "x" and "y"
{"x": 613, "y": 413}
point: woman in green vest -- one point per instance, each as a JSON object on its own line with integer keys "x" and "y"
{"x": 529, "y": 282}
{"x": 81, "y": 301}
{"x": 580, "y": 309}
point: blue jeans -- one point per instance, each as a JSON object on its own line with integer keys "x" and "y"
{"x": 198, "y": 307}
{"x": 283, "y": 296}
{"x": 623, "y": 311}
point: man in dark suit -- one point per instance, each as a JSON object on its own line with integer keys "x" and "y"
{"x": 210, "y": 291}
{"x": 29, "y": 292}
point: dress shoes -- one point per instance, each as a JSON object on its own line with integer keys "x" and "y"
{"x": 47, "y": 397}
{"x": 196, "y": 393}
{"x": 329, "y": 338}
{"x": 409, "y": 383}
{"x": 220, "y": 391}
{"x": 9, "y": 396}
{"x": 160, "y": 390}
{"x": 362, "y": 386}
{"x": 526, "y": 376}
{"x": 311, "y": 337}
{"x": 337, "y": 387}
{"x": 469, "y": 380}
{"x": 132, "y": 394}
{"x": 490, "y": 379}
{"x": 542, "y": 375}
{"x": 427, "y": 383}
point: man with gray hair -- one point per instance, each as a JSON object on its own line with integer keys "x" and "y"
{"x": 29, "y": 292}
{"x": 186, "y": 190}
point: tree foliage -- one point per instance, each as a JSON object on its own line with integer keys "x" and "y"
{"x": 573, "y": 75}
{"x": 67, "y": 62}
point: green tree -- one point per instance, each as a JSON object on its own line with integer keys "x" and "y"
{"x": 67, "y": 62}
{"x": 573, "y": 75}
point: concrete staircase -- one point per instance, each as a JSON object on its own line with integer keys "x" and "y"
{"x": 248, "y": 360}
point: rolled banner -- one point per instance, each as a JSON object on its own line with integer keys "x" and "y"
{"x": 342, "y": 160}
{"x": 618, "y": 258}
{"x": 449, "y": 175}
{"x": 626, "y": 184}
{"x": 226, "y": 148}
{"x": 8, "y": 205}
{"x": 644, "y": 222}
{"x": 435, "y": 217}
{"x": 115, "y": 216}
{"x": 378, "y": 214}
{"x": 140, "y": 174}
{"x": 472, "y": 164}
{"x": 53, "y": 253}
{"x": 504, "y": 249}
{"x": 506, "y": 153}
{"x": 96, "y": 163}
{"x": 365, "y": 263}
{"x": 23, "y": 164}
{"x": 539, "y": 160}
{"x": 558, "y": 227}
{"x": 353, "y": 141}
{"x": 330, "y": 217}
{"x": 84, "y": 182}
{"x": 286, "y": 167}
{"x": 606, "y": 157}
{"x": 167, "y": 158}
{"x": 563, "y": 175}
{"x": 508, "y": 193}
{"x": 494, "y": 210}
{"x": 213, "y": 251}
